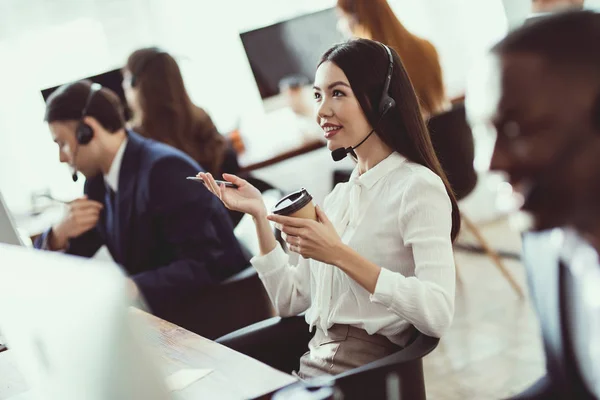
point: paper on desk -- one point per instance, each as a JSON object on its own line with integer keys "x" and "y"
{"x": 178, "y": 381}
{"x": 184, "y": 378}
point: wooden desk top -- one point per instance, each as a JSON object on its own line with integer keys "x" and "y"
{"x": 248, "y": 163}
{"x": 234, "y": 376}
{"x": 278, "y": 136}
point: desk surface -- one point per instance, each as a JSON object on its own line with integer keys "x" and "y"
{"x": 234, "y": 376}
{"x": 278, "y": 136}
{"x": 251, "y": 162}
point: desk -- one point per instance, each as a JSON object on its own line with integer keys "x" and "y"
{"x": 249, "y": 163}
{"x": 277, "y": 136}
{"x": 234, "y": 376}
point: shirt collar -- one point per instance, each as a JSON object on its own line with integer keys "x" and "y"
{"x": 576, "y": 252}
{"x": 112, "y": 178}
{"x": 384, "y": 167}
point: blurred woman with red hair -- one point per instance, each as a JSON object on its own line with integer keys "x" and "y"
{"x": 375, "y": 20}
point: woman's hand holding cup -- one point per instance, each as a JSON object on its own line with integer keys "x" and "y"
{"x": 301, "y": 224}
{"x": 316, "y": 239}
{"x": 246, "y": 198}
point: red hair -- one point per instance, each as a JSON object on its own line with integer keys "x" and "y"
{"x": 375, "y": 20}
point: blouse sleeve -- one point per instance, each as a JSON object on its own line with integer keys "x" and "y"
{"x": 426, "y": 300}
{"x": 288, "y": 285}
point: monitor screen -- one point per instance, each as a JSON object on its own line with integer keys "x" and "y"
{"x": 111, "y": 80}
{"x": 290, "y": 48}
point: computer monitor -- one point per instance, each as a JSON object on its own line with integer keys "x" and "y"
{"x": 8, "y": 229}
{"x": 290, "y": 48}
{"x": 111, "y": 80}
{"x": 68, "y": 326}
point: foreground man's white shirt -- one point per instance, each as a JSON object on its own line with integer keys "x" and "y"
{"x": 582, "y": 260}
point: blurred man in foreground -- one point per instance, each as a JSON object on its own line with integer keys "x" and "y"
{"x": 546, "y": 117}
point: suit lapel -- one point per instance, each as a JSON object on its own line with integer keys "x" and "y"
{"x": 128, "y": 178}
{"x": 95, "y": 189}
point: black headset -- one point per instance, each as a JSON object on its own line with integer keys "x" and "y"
{"x": 135, "y": 74}
{"x": 84, "y": 133}
{"x": 387, "y": 102}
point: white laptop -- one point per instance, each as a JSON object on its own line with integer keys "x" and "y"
{"x": 68, "y": 325}
{"x": 8, "y": 230}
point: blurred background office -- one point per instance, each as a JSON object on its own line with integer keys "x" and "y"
{"x": 49, "y": 43}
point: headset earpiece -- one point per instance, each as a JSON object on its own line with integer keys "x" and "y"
{"x": 387, "y": 102}
{"x": 84, "y": 133}
{"x": 132, "y": 80}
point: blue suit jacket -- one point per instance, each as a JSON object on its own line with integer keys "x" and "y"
{"x": 171, "y": 235}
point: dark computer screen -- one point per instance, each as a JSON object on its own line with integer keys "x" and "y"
{"x": 288, "y": 48}
{"x": 111, "y": 80}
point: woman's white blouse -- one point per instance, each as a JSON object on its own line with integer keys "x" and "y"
{"x": 398, "y": 216}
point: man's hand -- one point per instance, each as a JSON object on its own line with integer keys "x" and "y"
{"x": 82, "y": 215}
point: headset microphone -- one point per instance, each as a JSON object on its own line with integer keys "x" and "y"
{"x": 340, "y": 154}
{"x": 385, "y": 104}
{"x": 75, "y": 177}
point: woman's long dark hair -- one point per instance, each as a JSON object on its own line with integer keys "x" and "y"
{"x": 168, "y": 113}
{"x": 365, "y": 63}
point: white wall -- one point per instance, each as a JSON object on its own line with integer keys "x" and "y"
{"x": 516, "y": 11}
{"x": 44, "y": 43}
{"x": 461, "y": 30}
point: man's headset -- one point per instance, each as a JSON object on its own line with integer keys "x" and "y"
{"x": 84, "y": 133}
{"x": 385, "y": 104}
{"x": 156, "y": 52}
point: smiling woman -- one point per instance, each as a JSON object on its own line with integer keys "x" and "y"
{"x": 377, "y": 265}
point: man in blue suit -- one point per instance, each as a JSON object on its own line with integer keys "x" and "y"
{"x": 545, "y": 111}
{"x": 169, "y": 234}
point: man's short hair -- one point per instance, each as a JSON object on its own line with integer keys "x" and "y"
{"x": 567, "y": 38}
{"x": 67, "y": 102}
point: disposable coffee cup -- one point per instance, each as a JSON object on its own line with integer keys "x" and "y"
{"x": 298, "y": 205}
